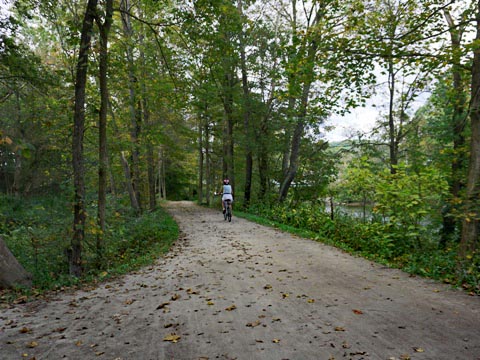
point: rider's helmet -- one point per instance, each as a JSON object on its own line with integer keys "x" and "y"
{"x": 226, "y": 182}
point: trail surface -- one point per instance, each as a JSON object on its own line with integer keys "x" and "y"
{"x": 243, "y": 291}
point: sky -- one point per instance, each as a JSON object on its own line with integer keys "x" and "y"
{"x": 360, "y": 119}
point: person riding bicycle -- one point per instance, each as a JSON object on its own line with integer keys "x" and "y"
{"x": 227, "y": 193}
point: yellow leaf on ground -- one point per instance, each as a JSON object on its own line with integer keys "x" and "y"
{"x": 311, "y": 301}
{"x": 276, "y": 341}
{"x": 32, "y": 344}
{"x": 172, "y": 338}
{"x": 339, "y": 328}
{"x": 231, "y": 307}
{"x": 418, "y": 349}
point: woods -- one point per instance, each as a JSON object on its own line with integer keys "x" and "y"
{"x": 111, "y": 106}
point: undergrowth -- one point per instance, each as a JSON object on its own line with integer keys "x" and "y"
{"x": 38, "y": 233}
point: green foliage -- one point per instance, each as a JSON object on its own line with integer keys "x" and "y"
{"x": 411, "y": 201}
{"x": 38, "y": 233}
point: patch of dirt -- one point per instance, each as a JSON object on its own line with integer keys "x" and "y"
{"x": 243, "y": 291}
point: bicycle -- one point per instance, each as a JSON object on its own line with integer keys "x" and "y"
{"x": 228, "y": 210}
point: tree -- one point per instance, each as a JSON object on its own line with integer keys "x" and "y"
{"x": 471, "y": 221}
{"x": 79, "y": 210}
{"x": 104, "y": 27}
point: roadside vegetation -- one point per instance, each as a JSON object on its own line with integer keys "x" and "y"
{"x": 37, "y": 231}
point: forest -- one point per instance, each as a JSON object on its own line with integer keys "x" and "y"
{"x": 109, "y": 107}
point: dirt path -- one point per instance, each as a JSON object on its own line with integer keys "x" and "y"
{"x": 243, "y": 291}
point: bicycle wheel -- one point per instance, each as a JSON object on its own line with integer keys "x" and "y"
{"x": 229, "y": 214}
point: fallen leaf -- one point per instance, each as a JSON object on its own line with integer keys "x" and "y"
{"x": 20, "y": 300}
{"x": 267, "y": 287}
{"x": 339, "y": 328}
{"x": 129, "y": 301}
{"x": 231, "y": 307}
{"x": 310, "y": 301}
{"x": 79, "y": 343}
{"x": 162, "y": 306}
{"x": 254, "y": 324}
{"x": 99, "y": 353}
{"x": 210, "y": 303}
{"x": 284, "y": 296}
{"x": 175, "y": 297}
{"x": 32, "y": 344}
{"x": 418, "y": 349}
{"x": 25, "y": 330}
{"x": 346, "y": 345}
{"x": 172, "y": 338}
{"x": 405, "y": 357}
{"x": 357, "y": 312}
{"x": 276, "y": 341}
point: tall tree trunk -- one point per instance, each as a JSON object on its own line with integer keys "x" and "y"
{"x": 79, "y": 215}
{"x": 161, "y": 174}
{"x": 134, "y": 117}
{"x": 128, "y": 181}
{"x": 298, "y": 132}
{"x": 208, "y": 160}
{"x": 228, "y": 144}
{"x": 458, "y": 125}
{"x": 18, "y": 157}
{"x": 246, "y": 117}
{"x": 470, "y": 224}
{"x": 391, "y": 119}
{"x": 102, "y": 148}
{"x": 201, "y": 159}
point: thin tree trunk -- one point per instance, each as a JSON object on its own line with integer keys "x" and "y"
{"x": 228, "y": 152}
{"x": 18, "y": 158}
{"x": 391, "y": 119}
{"x": 128, "y": 181}
{"x": 103, "y": 154}
{"x": 134, "y": 117}
{"x": 300, "y": 126}
{"x": 246, "y": 117}
{"x": 201, "y": 159}
{"x": 458, "y": 125}
{"x": 208, "y": 167}
{"x": 79, "y": 211}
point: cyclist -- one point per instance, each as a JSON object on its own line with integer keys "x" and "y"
{"x": 227, "y": 193}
